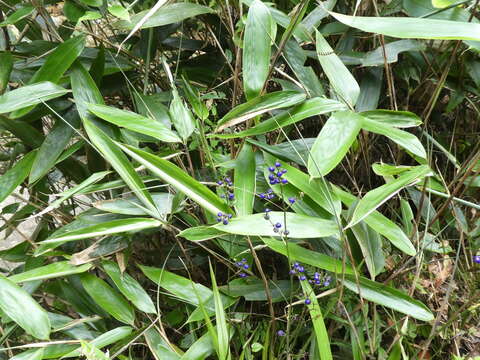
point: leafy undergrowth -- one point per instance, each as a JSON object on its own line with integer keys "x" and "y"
{"x": 240, "y": 180}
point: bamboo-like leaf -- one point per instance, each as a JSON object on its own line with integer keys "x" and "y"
{"x": 51, "y": 271}
{"x": 376, "y": 197}
{"x": 29, "y": 95}
{"x": 16, "y": 175}
{"x": 342, "y": 81}
{"x": 333, "y": 142}
{"x": 256, "y": 48}
{"x": 181, "y": 181}
{"x": 388, "y": 297}
{"x": 400, "y": 119}
{"x": 413, "y": 28}
{"x": 23, "y": 309}
{"x": 108, "y": 299}
{"x": 181, "y": 117}
{"x": 135, "y": 122}
{"x": 245, "y": 172}
{"x": 33, "y": 354}
{"x": 222, "y": 328}
{"x": 260, "y": 105}
{"x": 6, "y": 59}
{"x": 160, "y": 348}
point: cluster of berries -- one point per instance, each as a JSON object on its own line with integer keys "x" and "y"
{"x": 223, "y": 218}
{"x": 227, "y": 184}
{"x": 300, "y": 270}
{"x": 277, "y": 226}
{"x": 243, "y": 265}
{"x": 268, "y": 195}
{"x": 276, "y": 173}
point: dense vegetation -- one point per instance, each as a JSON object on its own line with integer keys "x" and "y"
{"x": 239, "y": 179}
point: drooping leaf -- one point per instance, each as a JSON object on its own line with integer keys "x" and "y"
{"x": 256, "y": 48}
{"x": 260, "y": 105}
{"x": 371, "y": 247}
{"x": 51, "y": 271}
{"x": 134, "y": 122}
{"x": 108, "y": 299}
{"x": 132, "y": 206}
{"x": 28, "y": 95}
{"x": 181, "y": 181}
{"x": 23, "y": 309}
{"x": 400, "y": 119}
{"x": 119, "y": 11}
{"x": 245, "y": 172}
{"x": 342, "y": 81}
{"x": 129, "y": 287}
{"x": 333, "y": 142}
{"x": 33, "y": 354}
{"x": 376, "y": 197}
{"x": 16, "y": 175}
{"x": 388, "y": 297}
{"x": 6, "y": 59}
{"x": 181, "y": 117}
{"x": 159, "y": 347}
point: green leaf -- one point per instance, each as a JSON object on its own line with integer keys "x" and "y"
{"x": 120, "y": 163}
{"x": 256, "y": 48}
{"x": 321, "y": 334}
{"x": 90, "y": 15}
{"x": 295, "y": 252}
{"x": 376, "y": 197}
{"x": 381, "y": 224}
{"x": 28, "y": 95}
{"x": 201, "y": 348}
{"x": 220, "y": 318}
{"x": 18, "y": 15}
{"x": 17, "y": 304}
{"x": 333, "y": 142}
{"x": 245, "y": 172}
{"x": 133, "y": 206}
{"x": 16, "y": 175}
{"x": 51, "y": 271}
{"x": 119, "y": 11}
{"x": 299, "y": 226}
{"x": 253, "y": 289}
{"x": 85, "y": 91}
{"x": 342, "y": 81}
{"x": 258, "y": 106}
{"x": 135, "y": 122}
{"x": 181, "y": 117}
{"x": 108, "y": 299}
{"x": 129, "y": 287}
{"x": 411, "y": 28}
{"x": 56, "y": 64}
{"x": 167, "y": 14}
{"x": 180, "y": 180}
{"x": 388, "y": 297}
{"x": 200, "y": 233}
{"x": 94, "y": 3}
{"x": 33, "y": 354}
{"x": 406, "y": 140}
{"x": 6, "y": 59}
{"x": 159, "y": 347}
{"x": 400, "y": 119}
{"x": 371, "y": 246}
{"x": 309, "y": 108}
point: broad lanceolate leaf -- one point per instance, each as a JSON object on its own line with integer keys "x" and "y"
{"x": 30, "y": 95}
{"x": 18, "y": 15}
{"x": 58, "y": 269}
{"x": 297, "y": 253}
{"x": 6, "y": 59}
{"x": 333, "y": 142}
{"x": 56, "y": 64}
{"x": 381, "y": 224}
{"x": 181, "y": 117}
{"x": 406, "y": 140}
{"x": 311, "y": 107}
{"x": 299, "y": 226}
{"x": 105, "y": 228}
{"x": 371, "y": 245}
{"x": 159, "y": 347}
{"x": 256, "y": 48}
{"x": 33, "y": 354}
{"x": 260, "y": 105}
{"x": 201, "y": 233}
{"x": 132, "y": 206}
{"x": 23, "y": 309}
{"x": 399, "y": 119}
{"x": 16, "y": 175}
{"x": 177, "y": 178}
{"x": 245, "y": 177}
{"x": 388, "y": 297}
{"x": 413, "y": 28}
{"x": 342, "y": 81}
{"x": 376, "y": 197}
{"x": 120, "y": 163}
{"x": 323, "y": 342}
{"x": 167, "y": 14}
{"x": 108, "y": 299}
{"x": 134, "y": 122}
{"x": 129, "y": 287}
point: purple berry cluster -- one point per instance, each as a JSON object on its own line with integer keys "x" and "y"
{"x": 276, "y": 226}
{"x": 318, "y": 279}
{"x": 223, "y": 218}
{"x": 244, "y": 266}
{"x": 227, "y": 186}
{"x": 268, "y": 195}
{"x": 276, "y": 173}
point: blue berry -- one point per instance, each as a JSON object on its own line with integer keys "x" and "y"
{"x": 301, "y": 269}
{"x": 284, "y": 181}
{"x": 278, "y": 225}
{"x": 227, "y": 179}
{"x": 272, "y": 182}
{"x": 326, "y": 283}
{"x": 242, "y": 275}
{"x": 303, "y": 277}
{"x": 292, "y": 272}
{"x": 269, "y": 191}
{"x": 476, "y": 259}
{"x": 284, "y": 171}
{"x": 271, "y": 169}
{"x": 229, "y": 216}
{"x": 262, "y": 196}
{"x": 225, "y": 222}
{"x": 267, "y": 210}
{"x": 222, "y": 196}
{"x": 308, "y": 301}
{"x": 286, "y": 232}
{"x": 317, "y": 282}
{"x": 220, "y": 182}
{"x": 246, "y": 266}
{"x": 244, "y": 260}
{"x": 279, "y": 174}
{"x": 277, "y": 164}
{"x": 281, "y": 333}
{"x": 231, "y": 196}
{"x": 316, "y": 276}
{"x": 220, "y": 214}
{"x": 291, "y": 200}
{"x": 271, "y": 176}
{"x": 219, "y": 219}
